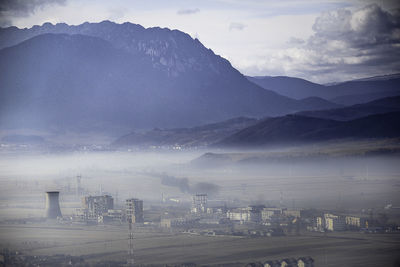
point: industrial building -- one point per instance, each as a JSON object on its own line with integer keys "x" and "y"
{"x": 134, "y": 210}
{"x": 292, "y": 213}
{"x": 199, "y": 203}
{"x": 241, "y": 215}
{"x": 178, "y": 222}
{"x": 268, "y": 213}
{"x": 52, "y": 205}
{"x": 100, "y": 209}
{"x": 255, "y": 213}
{"x": 112, "y": 216}
{"x": 96, "y": 206}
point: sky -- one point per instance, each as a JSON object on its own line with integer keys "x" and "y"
{"x": 321, "y": 41}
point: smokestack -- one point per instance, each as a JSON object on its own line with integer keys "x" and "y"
{"x": 52, "y": 205}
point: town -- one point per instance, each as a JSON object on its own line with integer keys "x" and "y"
{"x": 201, "y": 217}
{"x": 205, "y": 219}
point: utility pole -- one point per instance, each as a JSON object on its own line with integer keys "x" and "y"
{"x": 78, "y": 185}
{"x": 130, "y": 261}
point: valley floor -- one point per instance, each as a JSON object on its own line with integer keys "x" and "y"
{"x": 100, "y": 243}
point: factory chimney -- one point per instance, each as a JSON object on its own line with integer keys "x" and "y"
{"x": 52, "y": 205}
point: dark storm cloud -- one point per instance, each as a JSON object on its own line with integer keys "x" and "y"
{"x": 22, "y": 8}
{"x": 188, "y": 11}
{"x": 348, "y": 43}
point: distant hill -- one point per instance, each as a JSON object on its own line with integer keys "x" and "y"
{"x": 317, "y": 153}
{"x": 296, "y": 129}
{"x": 385, "y": 105}
{"x": 380, "y": 77}
{"x": 288, "y": 127}
{"x": 108, "y": 77}
{"x": 23, "y": 139}
{"x": 184, "y": 137}
{"x": 362, "y": 91}
{"x": 349, "y": 100}
{"x": 345, "y": 93}
{"x": 289, "y": 86}
{"x": 319, "y": 103}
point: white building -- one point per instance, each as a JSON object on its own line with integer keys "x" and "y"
{"x": 292, "y": 213}
{"x": 334, "y": 222}
{"x": 355, "y": 222}
{"x": 240, "y": 214}
{"x": 268, "y": 213}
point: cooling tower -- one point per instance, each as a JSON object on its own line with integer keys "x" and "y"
{"x": 52, "y": 205}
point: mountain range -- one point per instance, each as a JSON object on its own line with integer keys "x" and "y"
{"x": 200, "y": 136}
{"x": 345, "y": 93}
{"x": 117, "y": 78}
{"x": 297, "y": 129}
{"x": 108, "y": 77}
{"x": 384, "y": 105}
{"x": 304, "y": 126}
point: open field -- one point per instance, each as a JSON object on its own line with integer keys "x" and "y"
{"x": 110, "y": 243}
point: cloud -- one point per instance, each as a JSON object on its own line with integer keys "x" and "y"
{"x": 237, "y": 26}
{"x": 188, "y": 11}
{"x": 116, "y": 13}
{"x": 360, "y": 43}
{"x": 295, "y": 41}
{"x": 345, "y": 45}
{"x": 22, "y": 8}
{"x": 367, "y": 27}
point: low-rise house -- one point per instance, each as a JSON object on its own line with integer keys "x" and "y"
{"x": 255, "y": 264}
{"x": 289, "y": 263}
{"x": 178, "y": 222}
{"x": 272, "y": 264}
{"x": 305, "y": 262}
{"x": 209, "y": 221}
